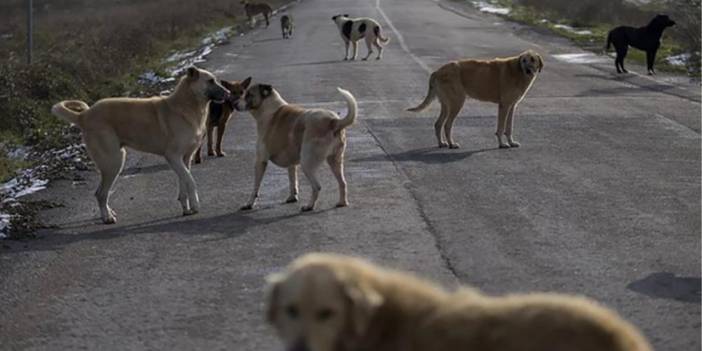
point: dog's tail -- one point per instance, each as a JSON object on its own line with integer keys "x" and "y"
{"x": 380, "y": 36}
{"x": 431, "y": 95}
{"x": 70, "y": 110}
{"x": 609, "y": 42}
{"x": 351, "y": 115}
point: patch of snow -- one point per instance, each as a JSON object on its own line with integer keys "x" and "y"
{"x": 678, "y": 60}
{"x": 573, "y": 30}
{"x": 491, "y": 8}
{"x": 586, "y": 57}
{"x": 4, "y": 225}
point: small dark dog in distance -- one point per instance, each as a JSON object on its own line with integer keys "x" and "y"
{"x": 286, "y": 25}
{"x": 646, "y": 38}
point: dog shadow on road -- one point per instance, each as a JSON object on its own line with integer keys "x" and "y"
{"x": 220, "y": 227}
{"x": 666, "y": 285}
{"x": 428, "y": 155}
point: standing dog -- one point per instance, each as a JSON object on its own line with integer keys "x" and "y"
{"x": 324, "y": 302}
{"x": 253, "y": 9}
{"x": 646, "y": 38}
{"x": 289, "y": 135}
{"x": 218, "y": 115}
{"x": 286, "y": 25}
{"x": 171, "y": 126}
{"x": 504, "y": 81}
{"x": 354, "y": 29}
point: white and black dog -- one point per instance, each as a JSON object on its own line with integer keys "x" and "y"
{"x": 354, "y": 29}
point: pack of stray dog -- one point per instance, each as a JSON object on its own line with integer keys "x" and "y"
{"x": 331, "y": 302}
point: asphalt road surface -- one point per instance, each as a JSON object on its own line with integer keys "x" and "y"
{"x": 602, "y": 199}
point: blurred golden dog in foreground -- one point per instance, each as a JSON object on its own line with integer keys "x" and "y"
{"x": 324, "y": 302}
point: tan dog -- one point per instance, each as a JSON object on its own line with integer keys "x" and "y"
{"x": 325, "y": 302}
{"x": 171, "y": 126}
{"x": 289, "y": 135}
{"x": 217, "y": 117}
{"x": 504, "y": 81}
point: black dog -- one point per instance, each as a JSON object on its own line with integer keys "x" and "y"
{"x": 647, "y": 38}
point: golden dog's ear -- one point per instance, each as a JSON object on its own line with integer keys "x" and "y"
{"x": 363, "y": 301}
{"x": 541, "y": 62}
{"x": 272, "y": 296}
{"x": 193, "y": 73}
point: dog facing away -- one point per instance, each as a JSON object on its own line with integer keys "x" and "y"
{"x": 289, "y": 135}
{"x": 646, "y": 38}
{"x": 354, "y": 29}
{"x": 218, "y": 115}
{"x": 325, "y": 302}
{"x": 253, "y": 9}
{"x": 504, "y": 81}
{"x": 286, "y": 26}
{"x": 171, "y": 126}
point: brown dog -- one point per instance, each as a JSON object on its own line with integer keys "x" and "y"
{"x": 504, "y": 81}
{"x": 218, "y": 115}
{"x": 289, "y": 135}
{"x": 171, "y": 126}
{"x": 325, "y": 302}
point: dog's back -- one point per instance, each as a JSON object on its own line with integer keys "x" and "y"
{"x": 253, "y": 9}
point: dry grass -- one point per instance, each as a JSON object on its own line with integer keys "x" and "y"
{"x": 90, "y": 49}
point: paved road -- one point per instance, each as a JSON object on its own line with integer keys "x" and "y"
{"x": 601, "y": 200}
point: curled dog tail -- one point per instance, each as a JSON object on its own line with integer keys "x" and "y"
{"x": 380, "y": 36}
{"x": 70, "y": 110}
{"x": 351, "y": 115}
{"x": 431, "y": 95}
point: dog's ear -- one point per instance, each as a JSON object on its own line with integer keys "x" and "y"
{"x": 193, "y": 73}
{"x": 265, "y": 90}
{"x": 363, "y": 301}
{"x": 541, "y": 62}
{"x": 272, "y": 295}
{"x": 245, "y": 84}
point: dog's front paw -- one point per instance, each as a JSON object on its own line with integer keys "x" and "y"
{"x": 454, "y": 145}
{"x": 342, "y": 204}
{"x": 443, "y": 144}
{"x": 189, "y": 212}
{"x": 109, "y": 220}
{"x": 306, "y": 208}
{"x": 247, "y": 207}
{"x": 514, "y": 144}
{"x": 210, "y": 153}
{"x": 291, "y": 199}
{"x": 504, "y": 146}
{"x": 221, "y": 154}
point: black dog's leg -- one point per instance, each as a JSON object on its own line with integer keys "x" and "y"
{"x": 621, "y": 54}
{"x": 650, "y": 60}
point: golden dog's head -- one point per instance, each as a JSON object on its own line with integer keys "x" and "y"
{"x": 320, "y": 304}
{"x": 531, "y": 62}
{"x": 205, "y": 85}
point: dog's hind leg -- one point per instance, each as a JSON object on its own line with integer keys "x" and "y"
{"x": 502, "y": 112}
{"x": 292, "y": 178}
{"x": 376, "y": 43}
{"x": 439, "y": 124}
{"x": 369, "y": 45}
{"x": 509, "y": 127}
{"x": 310, "y": 162}
{"x": 456, "y": 99}
{"x": 110, "y": 163}
{"x": 336, "y": 162}
{"x": 619, "y": 61}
